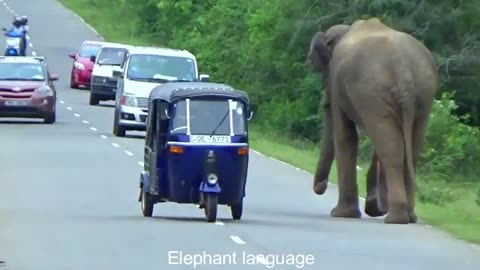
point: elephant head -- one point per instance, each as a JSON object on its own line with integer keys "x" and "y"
{"x": 322, "y": 45}
{"x": 320, "y": 53}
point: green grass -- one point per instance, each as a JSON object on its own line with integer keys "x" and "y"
{"x": 460, "y": 217}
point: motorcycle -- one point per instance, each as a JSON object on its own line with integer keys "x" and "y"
{"x": 14, "y": 44}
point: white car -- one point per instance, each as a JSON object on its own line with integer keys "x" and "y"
{"x": 144, "y": 69}
{"x": 103, "y": 85}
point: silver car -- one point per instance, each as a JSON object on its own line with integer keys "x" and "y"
{"x": 144, "y": 69}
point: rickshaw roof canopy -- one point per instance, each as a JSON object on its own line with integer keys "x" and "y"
{"x": 181, "y": 90}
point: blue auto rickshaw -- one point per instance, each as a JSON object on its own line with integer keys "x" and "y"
{"x": 196, "y": 147}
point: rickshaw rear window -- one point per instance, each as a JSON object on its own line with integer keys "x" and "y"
{"x": 207, "y": 115}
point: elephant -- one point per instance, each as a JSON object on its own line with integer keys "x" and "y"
{"x": 381, "y": 82}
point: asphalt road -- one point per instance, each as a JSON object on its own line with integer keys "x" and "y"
{"x": 68, "y": 196}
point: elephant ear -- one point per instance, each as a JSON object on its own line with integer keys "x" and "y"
{"x": 320, "y": 52}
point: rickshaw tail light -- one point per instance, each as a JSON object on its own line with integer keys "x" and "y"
{"x": 243, "y": 151}
{"x": 176, "y": 149}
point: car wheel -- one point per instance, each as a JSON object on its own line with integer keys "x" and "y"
{"x": 50, "y": 118}
{"x": 73, "y": 85}
{"x": 118, "y": 130}
{"x": 93, "y": 99}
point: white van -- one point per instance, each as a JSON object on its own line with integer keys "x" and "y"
{"x": 103, "y": 85}
{"x": 144, "y": 69}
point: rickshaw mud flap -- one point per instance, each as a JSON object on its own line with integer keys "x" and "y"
{"x": 209, "y": 188}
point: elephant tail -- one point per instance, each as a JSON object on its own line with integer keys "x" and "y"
{"x": 408, "y": 112}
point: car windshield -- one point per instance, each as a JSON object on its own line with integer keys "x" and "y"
{"x": 21, "y": 72}
{"x": 160, "y": 68}
{"x": 89, "y": 50}
{"x": 207, "y": 115}
{"x": 111, "y": 56}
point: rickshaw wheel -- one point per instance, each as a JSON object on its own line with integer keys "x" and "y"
{"x": 237, "y": 210}
{"x": 147, "y": 204}
{"x": 211, "y": 204}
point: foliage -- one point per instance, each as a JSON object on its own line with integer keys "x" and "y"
{"x": 260, "y": 46}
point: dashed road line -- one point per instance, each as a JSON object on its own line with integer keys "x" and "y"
{"x": 69, "y": 108}
{"x": 128, "y": 153}
{"x": 62, "y": 102}
{"x": 219, "y": 223}
{"x": 141, "y": 163}
{"x": 115, "y": 145}
{"x": 85, "y": 122}
{"x": 237, "y": 240}
{"x": 103, "y": 136}
{"x": 93, "y": 129}
{"x": 76, "y": 115}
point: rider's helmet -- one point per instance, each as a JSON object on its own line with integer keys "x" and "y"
{"x": 24, "y": 19}
{"x": 17, "y": 21}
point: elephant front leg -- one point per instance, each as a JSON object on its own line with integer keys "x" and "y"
{"x": 346, "y": 147}
{"x": 376, "y": 203}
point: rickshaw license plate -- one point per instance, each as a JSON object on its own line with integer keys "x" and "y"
{"x": 208, "y": 139}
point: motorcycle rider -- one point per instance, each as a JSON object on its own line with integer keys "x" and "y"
{"x": 24, "y": 20}
{"x": 19, "y": 29}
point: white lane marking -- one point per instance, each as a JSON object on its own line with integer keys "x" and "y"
{"x": 62, "y": 102}
{"x": 103, "y": 136}
{"x": 219, "y": 223}
{"x": 296, "y": 168}
{"x": 76, "y": 115}
{"x": 69, "y": 108}
{"x": 128, "y": 153}
{"x": 30, "y": 44}
{"x": 34, "y": 53}
{"x": 258, "y": 153}
{"x": 115, "y": 145}
{"x": 140, "y": 163}
{"x": 237, "y": 240}
{"x": 93, "y": 129}
{"x": 85, "y": 122}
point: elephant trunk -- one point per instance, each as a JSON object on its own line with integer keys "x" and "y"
{"x": 327, "y": 153}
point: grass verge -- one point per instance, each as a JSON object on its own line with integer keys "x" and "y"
{"x": 460, "y": 217}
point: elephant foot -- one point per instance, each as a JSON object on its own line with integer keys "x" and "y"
{"x": 413, "y": 217}
{"x": 320, "y": 187}
{"x": 372, "y": 207}
{"x": 346, "y": 212}
{"x": 397, "y": 217}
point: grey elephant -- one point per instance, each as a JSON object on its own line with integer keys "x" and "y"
{"x": 384, "y": 82}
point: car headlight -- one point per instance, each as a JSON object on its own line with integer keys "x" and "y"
{"x": 44, "y": 90}
{"x": 129, "y": 100}
{"x": 212, "y": 179}
{"x": 78, "y": 65}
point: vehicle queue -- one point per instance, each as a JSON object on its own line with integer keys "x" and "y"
{"x": 189, "y": 122}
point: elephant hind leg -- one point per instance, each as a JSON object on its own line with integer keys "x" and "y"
{"x": 376, "y": 203}
{"x": 419, "y": 127}
{"x": 346, "y": 147}
{"x": 388, "y": 143}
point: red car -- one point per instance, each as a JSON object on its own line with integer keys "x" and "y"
{"x": 82, "y": 65}
{"x": 27, "y": 89}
